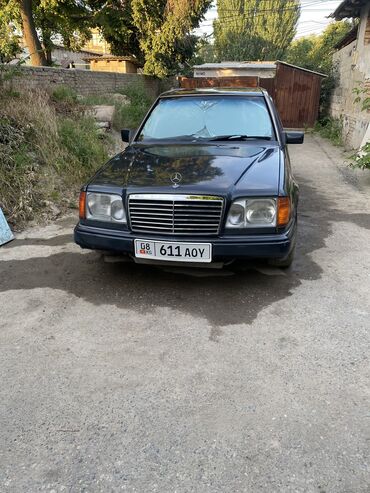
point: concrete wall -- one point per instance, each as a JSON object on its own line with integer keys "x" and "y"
{"x": 353, "y": 67}
{"x": 84, "y": 82}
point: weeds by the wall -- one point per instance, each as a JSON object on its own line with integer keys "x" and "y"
{"x": 49, "y": 147}
{"x": 82, "y": 149}
{"x": 361, "y": 159}
{"x": 331, "y": 129}
{"x": 131, "y": 114}
{"x": 64, "y": 93}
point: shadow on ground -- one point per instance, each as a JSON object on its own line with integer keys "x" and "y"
{"x": 231, "y": 297}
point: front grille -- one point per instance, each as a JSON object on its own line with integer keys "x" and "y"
{"x": 175, "y": 214}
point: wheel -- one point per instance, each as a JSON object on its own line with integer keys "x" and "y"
{"x": 283, "y": 263}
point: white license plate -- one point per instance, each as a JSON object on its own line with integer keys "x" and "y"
{"x": 172, "y": 251}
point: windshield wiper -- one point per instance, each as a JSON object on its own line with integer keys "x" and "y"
{"x": 239, "y": 137}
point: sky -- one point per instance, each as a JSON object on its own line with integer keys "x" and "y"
{"x": 313, "y": 18}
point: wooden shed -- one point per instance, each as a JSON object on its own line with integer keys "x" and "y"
{"x": 295, "y": 90}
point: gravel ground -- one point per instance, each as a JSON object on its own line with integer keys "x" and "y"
{"x": 119, "y": 377}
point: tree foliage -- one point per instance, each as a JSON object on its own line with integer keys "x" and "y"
{"x": 9, "y": 39}
{"x": 115, "y": 22}
{"x": 254, "y": 29}
{"x": 164, "y": 30}
{"x": 42, "y": 21}
{"x": 157, "y": 33}
{"x": 315, "y": 52}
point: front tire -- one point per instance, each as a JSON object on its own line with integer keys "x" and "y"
{"x": 283, "y": 263}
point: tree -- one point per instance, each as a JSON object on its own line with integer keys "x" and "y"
{"x": 30, "y": 34}
{"x": 9, "y": 39}
{"x": 115, "y": 22}
{"x": 315, "y": 52}
{"x": 204, "y": 53}
{"x": 41, "y": 21}
{"x": 164, "y": 30}
{"x": 254, "y": 29}
{"x": 157, "y": 33}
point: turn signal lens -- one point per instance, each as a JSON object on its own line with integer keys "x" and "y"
{"x": 284, "y": 211}
{"x": 82, "y": 205}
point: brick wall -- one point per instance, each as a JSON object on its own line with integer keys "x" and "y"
{"x": 84, "y": 82}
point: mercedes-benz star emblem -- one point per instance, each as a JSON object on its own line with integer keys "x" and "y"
{"x": 176, "y": 178}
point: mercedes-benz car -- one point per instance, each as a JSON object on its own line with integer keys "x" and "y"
{"x": 205, "y": 179}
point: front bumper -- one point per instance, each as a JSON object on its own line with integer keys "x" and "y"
{"x": 223, "y": 248}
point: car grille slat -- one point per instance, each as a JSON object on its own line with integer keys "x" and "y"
{"x": 182, "y": 215}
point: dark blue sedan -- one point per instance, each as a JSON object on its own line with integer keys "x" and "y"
{"x": 205, "y": 179}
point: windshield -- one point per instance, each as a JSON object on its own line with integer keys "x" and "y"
{"x": 208, "y": 117}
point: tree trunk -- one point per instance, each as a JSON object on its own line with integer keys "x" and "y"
{"x": 47, "y": 45}
{"x": 30, "y": 34}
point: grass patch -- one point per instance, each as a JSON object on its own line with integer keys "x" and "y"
{"x": 82, "y": 149}
{"x": 330, "y": 129}
{"x": 49, "y": 145}
{"x": 64, "y": 93}
{"x": 97, "y": 99}
{"x": 46, "y": 153}
{"x": 131, "y": 114}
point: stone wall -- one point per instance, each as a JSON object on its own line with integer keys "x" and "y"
{"x": 353, "y": 68}
{"x": 84, "y": 82}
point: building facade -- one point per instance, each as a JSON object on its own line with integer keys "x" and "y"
{"x": 111, "y": 63}
{"x": 352, "y": 67}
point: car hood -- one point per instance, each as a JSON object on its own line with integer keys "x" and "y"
{"x": 215, "y": 168}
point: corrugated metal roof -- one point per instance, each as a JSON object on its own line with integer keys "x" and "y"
{"x": 112, "y": 58}
{"x": 251, "y": 65}
{"x": 302, "y": 68}
{"x": 221, "y": 65}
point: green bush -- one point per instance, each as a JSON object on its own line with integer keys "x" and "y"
{"x": 331, "y": 129}
{"x": 96, "y": 99}
{"x": 64, "y": 94}
{"x": 18, "y": 169}
{"x": 361, "y": 160}
{"x": 82, "y": 148}
{"x": 45, "y": 155}
{"x": 131, "y": 114}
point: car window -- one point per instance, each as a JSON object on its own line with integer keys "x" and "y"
{"x": 208, "y": 117}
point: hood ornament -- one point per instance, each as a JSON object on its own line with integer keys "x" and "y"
{"x": 176, "y": 178}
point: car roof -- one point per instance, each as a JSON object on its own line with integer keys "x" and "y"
{"x": 215, "y": 91}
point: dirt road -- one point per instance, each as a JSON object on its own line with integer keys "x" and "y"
{"x": 118, "y": 377}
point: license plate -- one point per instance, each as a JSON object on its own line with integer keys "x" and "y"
{"x": 171, "y": 251}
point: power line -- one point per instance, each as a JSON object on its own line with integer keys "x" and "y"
{"x": 237, "y": 15}
{"x": 230, "y": 20}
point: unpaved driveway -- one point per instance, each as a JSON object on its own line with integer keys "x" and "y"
{"x": 120, "y": 377}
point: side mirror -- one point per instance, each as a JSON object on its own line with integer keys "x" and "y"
{"x": 294, "y": 137}
{"x": 127, "y": 134}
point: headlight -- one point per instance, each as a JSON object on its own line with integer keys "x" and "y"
{"x": 252, "y": 213}
{"x": 105, "y": 207}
